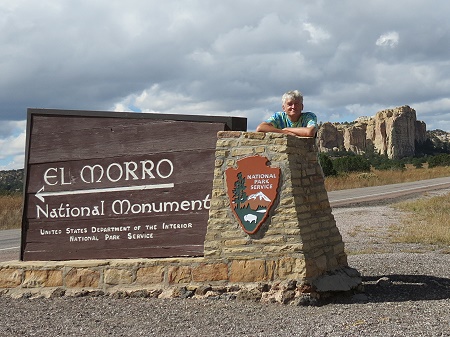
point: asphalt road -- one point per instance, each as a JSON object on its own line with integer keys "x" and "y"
{"x": 10, "y": 239}
{"x": 9, "y": 244}
{"x": 358, "y": 195}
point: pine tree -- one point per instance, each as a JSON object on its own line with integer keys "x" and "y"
{"x": 239, "y": 195}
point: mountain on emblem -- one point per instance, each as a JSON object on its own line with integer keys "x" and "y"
{"x": 260, "y": 196}
{"x": 252, "y": 189}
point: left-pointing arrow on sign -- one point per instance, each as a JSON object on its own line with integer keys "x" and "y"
{"x": 41, "y": 194}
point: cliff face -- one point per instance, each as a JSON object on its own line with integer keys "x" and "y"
{"x": 330, "y": 137}
{"x": 391, "y": 132}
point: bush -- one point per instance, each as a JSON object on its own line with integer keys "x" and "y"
{"x": 418, "y": 162}
{"x": 351, "y": 164}
{"x": 391, "y": 165}
{"x": 439, "y": 160}
{"x": 327, "y": 165}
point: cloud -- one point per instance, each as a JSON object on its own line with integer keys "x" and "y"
{"x": 317, "y": 34}
{"x": 390, "y": 39}
{"x": 12, "y": 145}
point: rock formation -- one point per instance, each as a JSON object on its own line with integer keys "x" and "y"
{"x": 391, "y": 132}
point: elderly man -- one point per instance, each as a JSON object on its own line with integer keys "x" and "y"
{"x": 291, "y": 120}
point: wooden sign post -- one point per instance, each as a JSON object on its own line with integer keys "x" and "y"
{"x": 118, "y": 185}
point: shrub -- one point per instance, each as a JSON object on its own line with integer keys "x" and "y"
{"x": 439, "y": 160}
{"x": 351, "y": 164}
{"x": 327, "y": 165}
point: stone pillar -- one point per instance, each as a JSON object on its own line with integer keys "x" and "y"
{"x": 299, "y": 239}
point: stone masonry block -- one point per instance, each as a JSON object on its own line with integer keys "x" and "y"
{"x": 260, "y": 149}
{"x": 82, "y": 278}
{"x": 231, "y": 162}
{"x": 254, "y": 135}
{"x": 277, "y": 158}
{"x": 179, "y": 274}
{"x": 229, "y": 134}
{"x": 227, "y": 142}
{"x": 241, "y": 151}
{"x": 250, "y": 271}
{"x": 339, "y": 248}
{"x": 210, "y": 272}
{"x": 291, "y": 268}
{"x": 118, "y": 276}
{"x": 10, "y": 278}
{"x": 238, "y": 251}
{"x": 220, "y": 154}
{"x": 250, "y": 142}
{"x": 272, "y": 239}
{"x": 283, "y": 249}
{"x": 278, "y": 148}
{"x": 150, "y": 275}
{"x": 236, "y": 242}
{"x": 43, "y": 278}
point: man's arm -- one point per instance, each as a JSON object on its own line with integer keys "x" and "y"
{"x": 301, "y": 131}
{"x": 267, "y": 127}
{"x": 309, "y": 131}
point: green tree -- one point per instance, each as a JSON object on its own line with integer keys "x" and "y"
{"x": 327, "y": 165}
{"x": 239, "y": 195}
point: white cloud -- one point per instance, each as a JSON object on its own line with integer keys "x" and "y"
{"x": 390, "y": 39}
{"x": 436, "y": 113}
{"x": 317, "y": 34}
{"x": 13, "y": 163}
{"x": 12, "y": 146}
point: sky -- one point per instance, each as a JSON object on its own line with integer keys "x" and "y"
{"x": 349, "y": 58}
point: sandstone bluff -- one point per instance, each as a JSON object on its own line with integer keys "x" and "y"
{"x": 392, "y": 132}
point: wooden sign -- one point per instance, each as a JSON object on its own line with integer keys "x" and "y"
{"x": 118, "y": 185}
{"x": 252, "y": 190}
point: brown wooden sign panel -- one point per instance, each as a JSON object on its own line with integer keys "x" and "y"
{"x": 114, "y": 185}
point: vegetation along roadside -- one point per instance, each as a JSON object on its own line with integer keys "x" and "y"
{"x": 428, "y": 224}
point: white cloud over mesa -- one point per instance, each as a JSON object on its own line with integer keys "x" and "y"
{"x": 349, "y": 59}
{"x": 12, "y": 145}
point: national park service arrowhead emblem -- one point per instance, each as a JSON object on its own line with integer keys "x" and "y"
{"x": 252, "y": 190}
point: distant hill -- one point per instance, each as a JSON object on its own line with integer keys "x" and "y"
{"x": 11, "y": 181}
{"x": 439, "y": 137}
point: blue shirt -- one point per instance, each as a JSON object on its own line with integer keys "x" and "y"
{"x": 280, "y": 120}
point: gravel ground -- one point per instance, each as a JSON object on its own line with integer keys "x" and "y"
{"x": 407, "y": 293}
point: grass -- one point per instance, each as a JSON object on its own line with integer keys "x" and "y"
{"x": 429, "y": 222}
{"x": 10, "y": 211}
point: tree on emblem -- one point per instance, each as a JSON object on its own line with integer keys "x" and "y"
{"x": 239, "y": 195}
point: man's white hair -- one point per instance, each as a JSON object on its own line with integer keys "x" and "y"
{"x": 292, "y": 95}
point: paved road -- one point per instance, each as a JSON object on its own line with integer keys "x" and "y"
{"x": 346, "y": 197}
{"x": 9, "y": 244}
{"x": 10, "y": 239}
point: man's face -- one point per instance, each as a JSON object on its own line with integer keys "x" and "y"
{"x": 293, "y": 109}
